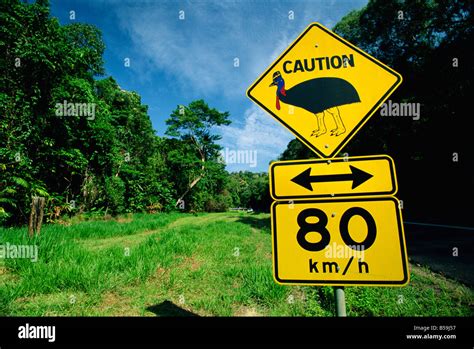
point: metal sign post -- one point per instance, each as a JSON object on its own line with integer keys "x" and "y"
{"x": 340, "y": 300}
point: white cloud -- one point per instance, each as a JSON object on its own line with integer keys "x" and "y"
{"x": 259, "y": 132}
{"x": 194, "y": 58}
{"x": 192, "y": 52}
{"x": 197, "y": 53}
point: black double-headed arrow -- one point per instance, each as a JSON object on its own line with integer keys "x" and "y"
{"x": 356, "y": 176}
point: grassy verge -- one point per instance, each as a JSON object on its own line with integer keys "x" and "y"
{"x": 175, "y": 264}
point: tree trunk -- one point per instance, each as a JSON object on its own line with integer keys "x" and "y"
{"x": 85, "y": 192}
{"x": 193, "y": 183}
{"x": 196, "y": 180}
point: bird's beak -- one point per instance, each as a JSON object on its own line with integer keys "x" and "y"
{"x": 272, "y": 84}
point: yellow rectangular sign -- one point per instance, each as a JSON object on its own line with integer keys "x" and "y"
{"x": 323, "y": 89}
{"x": 350, "y": 176}
{"x": 339, "y": 242}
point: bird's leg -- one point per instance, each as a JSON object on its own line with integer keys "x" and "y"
{"x": 334, "y": 130}
{"x": 317, "y": 130}
{"x": 340, "y": 128}
{"x": 321, "y": 125}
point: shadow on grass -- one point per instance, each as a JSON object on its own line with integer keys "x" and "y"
{"x": 260, "y": 223}
{"x": 168, "y": 308}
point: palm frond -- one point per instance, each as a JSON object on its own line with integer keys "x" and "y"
{"x": 21, "y": 182}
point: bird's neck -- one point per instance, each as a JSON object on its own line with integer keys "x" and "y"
{"x": 281, "y": 92}
{"x": 281, "y": 88}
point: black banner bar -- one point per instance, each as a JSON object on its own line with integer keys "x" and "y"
{"x": 105, "y": 331}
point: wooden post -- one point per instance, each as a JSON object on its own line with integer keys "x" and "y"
{"x": 31, "y": 223}
{"x": 40, "y": 215}
{"x": 36, "y": 215}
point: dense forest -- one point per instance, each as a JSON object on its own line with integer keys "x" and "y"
{"x": 87, "y": 145}
{"x": 74, "y": 136}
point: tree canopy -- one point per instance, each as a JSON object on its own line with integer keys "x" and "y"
{"x": 83, "y": 142}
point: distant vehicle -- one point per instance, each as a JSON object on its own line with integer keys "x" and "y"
{"x": 248, "y": 210}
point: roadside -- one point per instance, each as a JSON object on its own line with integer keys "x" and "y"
{"x": 217, "y": 264}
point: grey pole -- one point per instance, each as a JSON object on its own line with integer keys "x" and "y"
{"x": 340, "y": 299}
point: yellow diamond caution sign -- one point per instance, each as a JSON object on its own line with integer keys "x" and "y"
{"x": 351, "y": 176}
{"x": 339, "y": 242}
{"x": 323, "y": 89}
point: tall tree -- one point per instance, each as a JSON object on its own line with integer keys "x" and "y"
{"x": 193, "y": 125}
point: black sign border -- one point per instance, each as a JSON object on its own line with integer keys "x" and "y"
{"x": 349, "y": 282}
{"x": 318, "y": 161}
{"x": 361, "y": 122}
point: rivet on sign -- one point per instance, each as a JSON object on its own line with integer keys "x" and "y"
{"x": 326, "y": 146}
{"x": 316, "y": 45}
{"x": 329, "y": 161}
{"x": 333, "y": 215}
{"x": 332, "y": 195}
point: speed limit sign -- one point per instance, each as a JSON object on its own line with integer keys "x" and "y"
{"x": 339, "y": 242}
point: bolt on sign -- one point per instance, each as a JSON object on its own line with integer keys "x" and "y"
{"x": 323, "y": 89}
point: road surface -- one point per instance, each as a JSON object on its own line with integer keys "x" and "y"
{"x": 435, "y": 246}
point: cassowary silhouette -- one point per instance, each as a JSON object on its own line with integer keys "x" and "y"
{"x": 318, "y": 96}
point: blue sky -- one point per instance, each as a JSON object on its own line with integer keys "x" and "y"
{"x": 175, "y": 61}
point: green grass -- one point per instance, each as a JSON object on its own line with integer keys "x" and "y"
{"x": 176, "y": 264}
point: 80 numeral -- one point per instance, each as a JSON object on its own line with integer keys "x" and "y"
{"x": 320, "y": 227}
